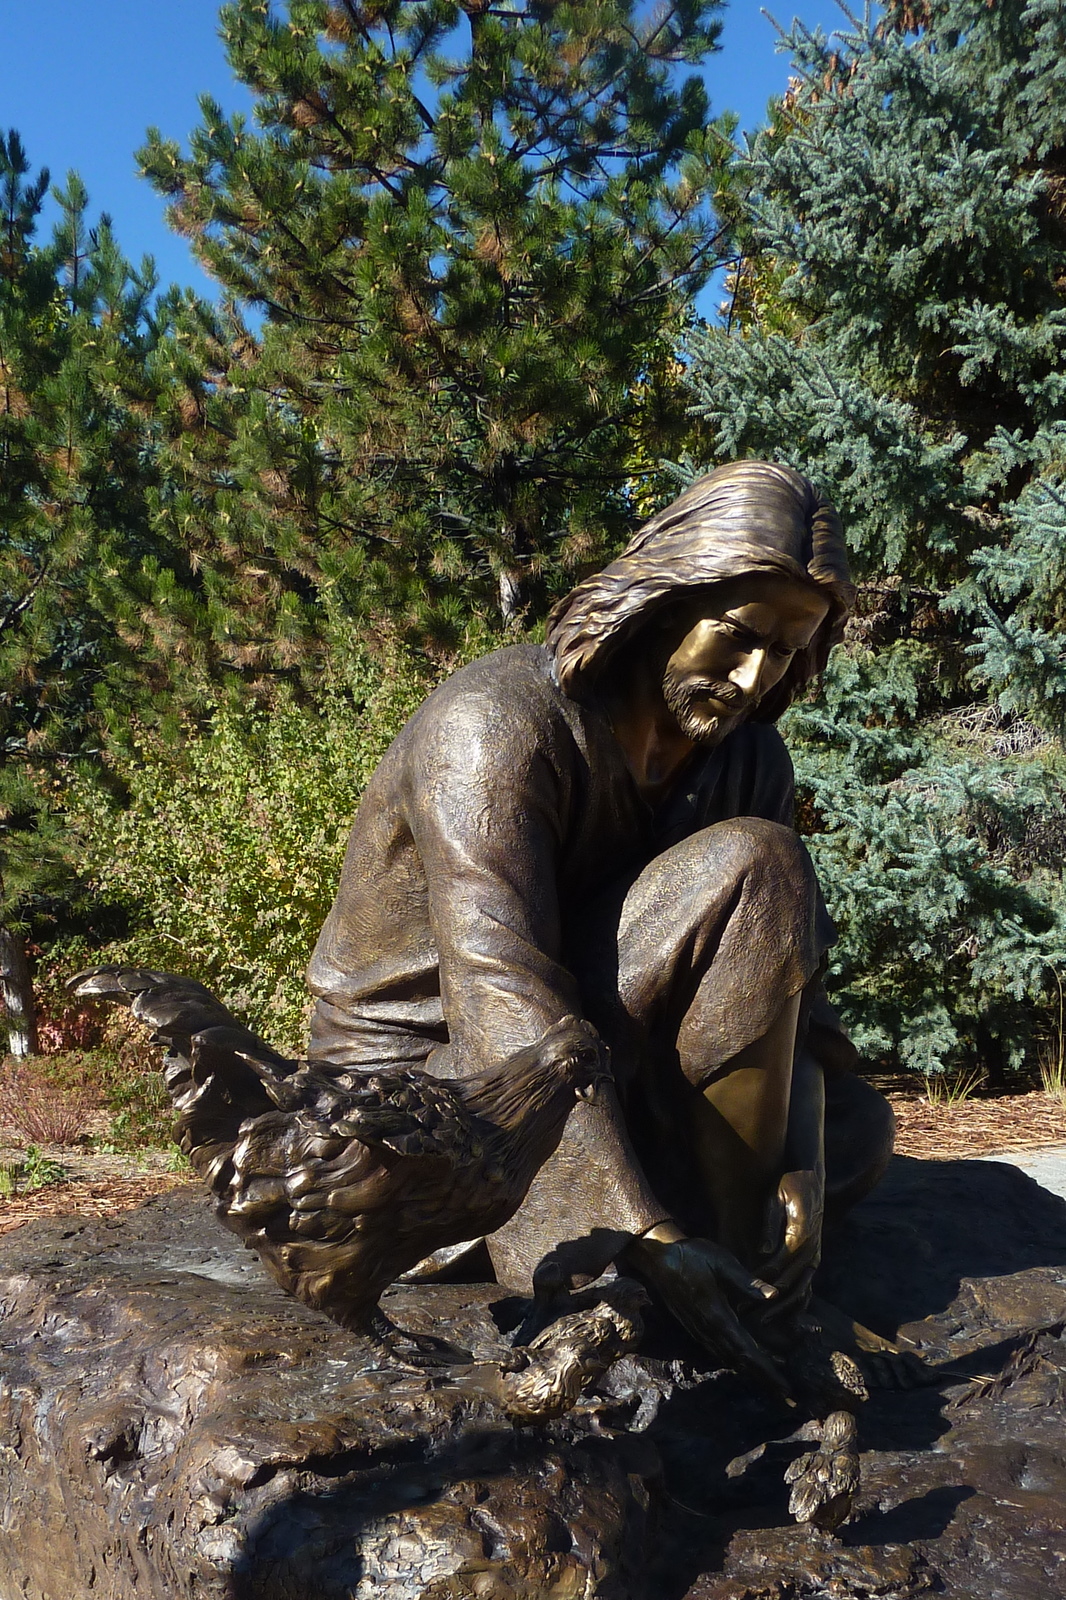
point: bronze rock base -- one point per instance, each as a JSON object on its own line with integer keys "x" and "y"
{"x": 171, "y": 1425}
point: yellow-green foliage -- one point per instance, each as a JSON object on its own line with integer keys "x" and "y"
{"x": 226, "y": 855}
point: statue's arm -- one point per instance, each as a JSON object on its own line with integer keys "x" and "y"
{"x": 486, "y": 806}
{"x": 488, "y": 799}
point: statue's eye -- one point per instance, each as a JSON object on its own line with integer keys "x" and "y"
{"x": 742, "y": 635}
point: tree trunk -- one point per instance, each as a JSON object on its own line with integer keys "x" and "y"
{"x": 510, "y": 592}
{"x": 16, "y": 990}
{"x": 992, "y": 1057}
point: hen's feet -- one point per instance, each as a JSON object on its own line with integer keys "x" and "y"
{"x": 416, "y": 1351}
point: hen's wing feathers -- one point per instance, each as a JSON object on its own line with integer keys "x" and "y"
{"x": 340, "y": 1178}
{"x": 409, "y": 1115}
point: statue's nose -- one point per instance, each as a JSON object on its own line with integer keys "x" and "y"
{"x": 747, "y": 675}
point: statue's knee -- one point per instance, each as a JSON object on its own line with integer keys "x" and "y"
{"x": 766, "y": 850}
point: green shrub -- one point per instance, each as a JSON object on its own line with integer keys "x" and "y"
{"x": 34, "y": 1171}
{"x": 226, "y": 851}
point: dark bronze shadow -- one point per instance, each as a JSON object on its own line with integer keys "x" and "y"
{"x": 902, "y": 1253}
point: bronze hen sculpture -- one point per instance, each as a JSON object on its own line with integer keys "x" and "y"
{"x": 342, "y": 1179}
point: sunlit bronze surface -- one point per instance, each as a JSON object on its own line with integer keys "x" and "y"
{"x": 602, "y": 826}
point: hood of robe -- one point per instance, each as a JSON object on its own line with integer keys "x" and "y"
{"x": 746, "y": 517}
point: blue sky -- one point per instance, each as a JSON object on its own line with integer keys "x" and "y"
{"x": 82, "y": 79}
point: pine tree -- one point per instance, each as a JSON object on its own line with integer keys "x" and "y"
{"x": 78, "y": 328}
{"x": 899, "y": 330}
{"x": 27, "y": 312}
{"x": 134, "y": 600}
{"x": 473, "y": 229}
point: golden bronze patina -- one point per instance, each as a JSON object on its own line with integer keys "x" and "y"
{"x": 601, "y": 826}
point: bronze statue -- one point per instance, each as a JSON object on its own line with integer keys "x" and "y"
{"x": 342, "y": 1180}
{"x": 548, "y": 1375}
{"x": 594, "y": 828}
{"x": 602, "y": 826}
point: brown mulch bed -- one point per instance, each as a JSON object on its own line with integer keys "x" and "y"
{"x": 978, "y": 1126}
{"x": 87, "y": 1197}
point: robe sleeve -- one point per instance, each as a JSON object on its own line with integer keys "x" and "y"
{"x": 487, "y": 805}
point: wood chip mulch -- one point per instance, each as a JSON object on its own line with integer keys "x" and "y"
{"x": 978, "y": 1126}
{"x": 87, "y": 1197}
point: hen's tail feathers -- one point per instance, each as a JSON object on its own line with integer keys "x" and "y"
{"x": 177, "y": 1009}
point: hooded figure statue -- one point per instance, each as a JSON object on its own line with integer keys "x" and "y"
{"x": 602, "y": 826}
{"x": 748, "y": 517}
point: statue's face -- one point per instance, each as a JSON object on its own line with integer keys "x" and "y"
{"x": 739, "y": 641}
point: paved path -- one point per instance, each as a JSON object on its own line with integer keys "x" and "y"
{"x": 1046, "y": 1166}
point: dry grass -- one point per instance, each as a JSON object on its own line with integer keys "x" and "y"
{"x": 1055, "y": 1085}
{"x": 947, "y": 1090}
{"x": 40, "y": 1110}
{"x": 976, "y": 1126}
{"x": 1053, "y": 1068}
{"x": 1053, "y": 1055}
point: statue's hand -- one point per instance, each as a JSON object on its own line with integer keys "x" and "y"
{"x": 697, "y": 1279}
{"x": 793, "y": 1239}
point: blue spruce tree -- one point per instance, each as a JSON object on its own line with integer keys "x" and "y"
{"x": 897, "y": 330}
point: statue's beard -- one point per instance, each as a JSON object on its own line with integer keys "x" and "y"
{"x": 685, "y": 697}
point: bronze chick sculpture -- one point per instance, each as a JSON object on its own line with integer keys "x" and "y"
{"x": 342, "y": 1179}
{"x": 550, "y": 1374}
{"x": 825, "y": 1482}
{"x": 546, "y": 1378}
